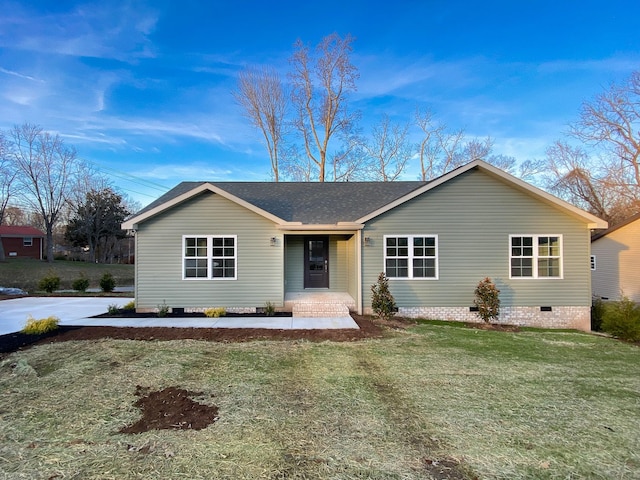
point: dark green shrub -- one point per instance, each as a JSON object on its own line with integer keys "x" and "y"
{"x": 487, "y": 299}
{"x": 107, "y": 283}
{"x": 382, "y": 302}
{"x": 164, "y": 309}
{"x": 269, "y": 309}
{"x": 80, "y": 284}
{"x": 50, "y": 283}
{"x": 597, "y": 312}
{"x": 622, "y": 319}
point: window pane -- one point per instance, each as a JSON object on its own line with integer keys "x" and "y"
{"x": 403, "y": 252}
{"x": 403, "y": 242}
{"x": 392, "y": 252}
{"x": 521, "y": 267}
{"x": 418, "y": 242}
{"x": 549, "y": 267}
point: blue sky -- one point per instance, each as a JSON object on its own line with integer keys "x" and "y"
{"x": 142, "y": 89}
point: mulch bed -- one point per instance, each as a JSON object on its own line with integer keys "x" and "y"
{"x": 369, "y": 328}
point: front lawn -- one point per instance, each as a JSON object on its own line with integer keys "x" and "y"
{"x": 25, "y": 273}
{"x": 435, "y": 401}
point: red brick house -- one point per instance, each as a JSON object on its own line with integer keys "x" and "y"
{"x": 23, "y": 242}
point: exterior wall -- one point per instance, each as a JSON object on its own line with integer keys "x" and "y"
{"x": 14, "y": 245}
{"x": 473, "y": 216}
{"x": 342, "y": 272}
{"x": 617, "y": 270}
{"x": 159, "y": 257}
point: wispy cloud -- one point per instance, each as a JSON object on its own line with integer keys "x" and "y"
{"x": 102, "y": 30}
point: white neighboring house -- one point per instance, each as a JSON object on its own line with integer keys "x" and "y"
{"x": 615, "y": 261}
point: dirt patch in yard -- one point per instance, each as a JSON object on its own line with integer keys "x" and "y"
{"x": 170, "y": 409}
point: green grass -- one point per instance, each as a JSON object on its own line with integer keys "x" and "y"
{"x": 528, "y": 405}
{"x": 26, "y": 273}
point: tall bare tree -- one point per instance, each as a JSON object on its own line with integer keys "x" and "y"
{"x": 7, "y": 183}
{"x": 46, "y": 170}
{"x": 388, "y": 150}
{"x": 321, "y": 81}
{"x": 611, "y": 124}
{"x": 262, "y": 96}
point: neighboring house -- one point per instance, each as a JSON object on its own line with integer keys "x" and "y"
{"x": 615, "y": 261}
{"x": 22, "y": 242}
{"x": 242, "y": 244}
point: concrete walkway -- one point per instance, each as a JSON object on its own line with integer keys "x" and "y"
{"x": 78, "y": 310}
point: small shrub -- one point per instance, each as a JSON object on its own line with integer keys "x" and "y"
{"x": 50, "y": 283}
{"x": 269, "y": 309}
{"x": 622, "y": 319}
{"x": 597, "y": 312}
{"x": 215, "y": 312}
{"x": 37, "y": 327}
{"x": 80, "y": 284}
{"x": 163, "y": 310}
{"x": 130, "y": 306}
{"x": 113, "y": 309}
{"x": 107, "y": 283}
{"x": 487, "y": 299}
{"x": 382, "y": 301}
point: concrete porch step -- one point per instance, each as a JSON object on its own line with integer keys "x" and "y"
{"x": 317, "y": 310}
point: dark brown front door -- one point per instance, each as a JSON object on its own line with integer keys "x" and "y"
{"x": 316, "y": 262}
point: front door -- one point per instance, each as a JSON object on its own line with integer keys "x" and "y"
{"x": 316, "y": 262}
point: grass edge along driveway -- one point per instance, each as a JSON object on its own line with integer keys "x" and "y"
{"x": 489, "y": 404}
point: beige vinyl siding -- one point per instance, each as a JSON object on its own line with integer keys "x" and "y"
{"x": 159, "y": 257}
{"x": 473, "y": 216}
{"x": 617, "y": 270}
{"x": 339, "y": 263}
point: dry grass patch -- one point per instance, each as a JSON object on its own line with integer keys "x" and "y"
{"x": 433, "y": 402}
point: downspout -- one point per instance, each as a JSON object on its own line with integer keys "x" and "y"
{"x": 359, "y": 269}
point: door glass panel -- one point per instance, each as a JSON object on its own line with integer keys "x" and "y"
{"x": 316, "y": 255}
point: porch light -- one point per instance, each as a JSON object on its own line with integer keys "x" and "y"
{"x": 367, "y": 241}
{"x": 272, "y": 241}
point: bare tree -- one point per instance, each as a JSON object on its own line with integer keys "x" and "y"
{"x": 388, "y": 150}
{"x": 611, "y": 124}
{"x": 321, "y": 83}
{"x": 262, "y": 96}
{"x": 47, "y": 170}
{"x": 7, "y": 183}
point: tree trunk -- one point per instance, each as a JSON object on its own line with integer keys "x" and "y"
{"x": 49, "y": 244}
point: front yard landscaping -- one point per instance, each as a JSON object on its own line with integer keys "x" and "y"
{"x": 435, "y": 400}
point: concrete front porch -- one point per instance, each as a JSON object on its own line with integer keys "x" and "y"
{"x": 312, "y": 304}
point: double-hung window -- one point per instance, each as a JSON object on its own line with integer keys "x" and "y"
{"x": 27, "y": 241}
{"x": 210, "y": 257}
{"x": 535, "y": 256}
{"x": 411, "y": 256}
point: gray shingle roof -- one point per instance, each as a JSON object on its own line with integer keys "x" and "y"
{"x": 307, "y": 202}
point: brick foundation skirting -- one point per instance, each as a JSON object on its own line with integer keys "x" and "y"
{"x": 559, "y": 317}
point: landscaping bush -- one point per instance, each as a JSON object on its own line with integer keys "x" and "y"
{"x": 113, "y": 309}
{"x": 44, "y": 325}
{"x": 382, "y": 302}
{"x": 622, "y": 319}
{"x": 269, "y": 309}
{"x": 215, "y": 312}
{"x": 163, "y": 310}
{"x": 80, "y": 284}
{"x": 487, "y": 299}
{"x": 597, "y": 312}
{"x": 50, "y": 283}
{"x": 107, "y": 283}
{"x": 130, "y": 306}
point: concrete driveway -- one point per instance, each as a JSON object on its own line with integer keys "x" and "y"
{"x": 14, "y": 313}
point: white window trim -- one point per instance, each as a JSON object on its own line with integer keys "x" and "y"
{"x": 410, "y": 257}
{"x": 29, "y": 243}
{"x": 209, "y": 257}
{"x": 535, "y": 256}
